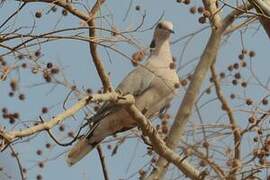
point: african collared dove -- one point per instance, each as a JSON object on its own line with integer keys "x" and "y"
{"x": 153, "y": 86}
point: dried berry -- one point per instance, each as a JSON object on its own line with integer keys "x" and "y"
{"x": 252, "y": 53}
{"x": 243, "y": 63}
{"x": 64, "y": 12}
{"x": 244, "y": 51}
{"x": 38, "y": 14}
{"x": 37, "y": 53}
{"x": 249, "y": 101}
{"x": 184, "y": 82}
{"x": 251, "y": 120}
{"x": 236, "y": 66}
{"x": 21, "y": 97}
{"x": 234, "y": 82}
{"x": 71, "y": 134}
{"x": 241, "y": 56}
{"x": 4, "y": 110}
{"x": 206, "y": 14}
{"x": 48, "y": 145}
{"x": 193, "y": 10}
{"x": 138, "y": 8}
{"x": 232, "y": 96}
{"x": 200, "y": 9}
{"x": 237, "y": 75}
{"x": 40, "y": 164}
{"x": 44, "y": 110}
{"x": 39, "y": 152}
{"x": 265, "y": 101}
{"x": 89, "y": 91}
{"x": 230, "y": 67}
{"x": 202, "y": 19}
{"x": 49, "y": 65}
{"x": 39, "y": 177}
{"x": 11, "y": 94}
{"x": 24, "y": 65}
{"x": 13, "y": 84}
{"x": 186, "y": 2}
{"x": 222, "y": 75}
{"x": 61, "y": 128}
{"x": 244, "y": 84}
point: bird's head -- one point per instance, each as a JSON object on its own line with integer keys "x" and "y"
{"x": 163, "y": 30}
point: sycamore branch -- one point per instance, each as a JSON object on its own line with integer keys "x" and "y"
{"x": 160, "y": 146}
{"x": 235, "y": 129}
{"x": 9, "y": 137}
{"x": 93, "y": 48}
{"x": 263, "y": 8}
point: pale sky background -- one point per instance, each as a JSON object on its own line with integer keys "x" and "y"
{"x": 74, "y": 58}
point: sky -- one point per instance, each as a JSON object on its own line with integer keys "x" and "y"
{"x": 74, "y": 58}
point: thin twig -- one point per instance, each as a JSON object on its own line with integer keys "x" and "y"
{"x": 103, "y": 164}
{"x": 233, "y": 123}
{"x": 14, "y": 153}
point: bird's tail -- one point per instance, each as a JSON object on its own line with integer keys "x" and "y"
{"x": 79, "y": 150}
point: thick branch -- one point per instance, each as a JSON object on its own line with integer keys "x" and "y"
{"x": 160, "y": 147}
{"x": 263, "y": 7}
{"x": 215, "y": 18}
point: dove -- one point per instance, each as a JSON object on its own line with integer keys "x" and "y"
{"x": 153, "y": 85}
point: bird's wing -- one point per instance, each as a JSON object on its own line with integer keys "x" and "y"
{"x": 135, "y": 83}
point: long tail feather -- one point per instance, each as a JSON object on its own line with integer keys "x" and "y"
{"x": 79, "y": 150}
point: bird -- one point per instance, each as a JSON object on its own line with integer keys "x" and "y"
{"x": 153, "y": 85}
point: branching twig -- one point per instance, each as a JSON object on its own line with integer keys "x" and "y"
{"x": 93, "y": 48}
{"x": 14, "y": 153}
{"x": 233, "y": 123}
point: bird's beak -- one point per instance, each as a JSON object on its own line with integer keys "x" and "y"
{"x": 171, "y": 31}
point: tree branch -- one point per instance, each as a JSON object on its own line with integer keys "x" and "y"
{"x": 235, "y": 130}
{"x": 67, "y": 6}
{"x": 93, "y": 48}
{"x": 8, "y": 137}
{"x": 263, "y": 7}
{"x": 160, "y": 146}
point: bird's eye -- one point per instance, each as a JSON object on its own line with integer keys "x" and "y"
{"x": 159, "y": 26}
{"x": 153, "y": 44}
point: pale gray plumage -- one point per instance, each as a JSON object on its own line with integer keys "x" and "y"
{"x": 153, "y": 86}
